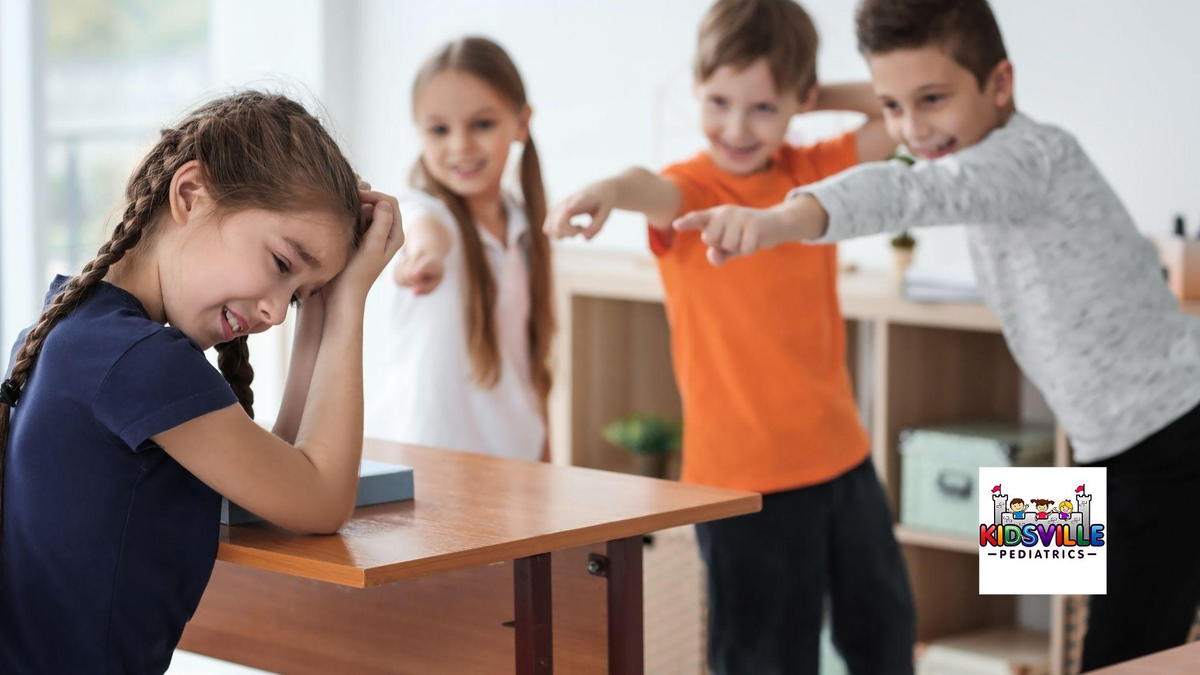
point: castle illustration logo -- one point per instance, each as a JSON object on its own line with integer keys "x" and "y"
{"x": 1042, "y": 530}
{"x": 1050, "y": 529}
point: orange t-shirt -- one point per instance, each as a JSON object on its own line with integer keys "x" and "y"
{"x": 758, "y": 344}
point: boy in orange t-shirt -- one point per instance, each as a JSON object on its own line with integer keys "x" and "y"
{"x": 759, "y": 354}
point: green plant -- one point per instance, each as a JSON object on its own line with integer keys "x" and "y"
{"x": 903, "y": 156}
{"x": 904, "y": 239}
{"x": 645, "y": 434}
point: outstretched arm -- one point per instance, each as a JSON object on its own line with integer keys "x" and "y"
{"x": 633, "y": 190}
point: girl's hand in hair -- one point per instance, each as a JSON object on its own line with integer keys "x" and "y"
{"x": 384, "y": 236}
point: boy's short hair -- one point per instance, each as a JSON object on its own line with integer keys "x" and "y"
{"x": 739, "y": 32}
{"x": 966, "y": 29}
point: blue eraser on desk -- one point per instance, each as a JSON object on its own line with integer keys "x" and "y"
{"x": 378, "y": 483}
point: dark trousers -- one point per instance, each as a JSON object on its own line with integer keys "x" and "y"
{"x": 770, "y": 572}
{"x": 1153, "y": 551}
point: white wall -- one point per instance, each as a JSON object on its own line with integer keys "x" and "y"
{"x": 21, "y": 125}
{"x": 1117, "y": 74}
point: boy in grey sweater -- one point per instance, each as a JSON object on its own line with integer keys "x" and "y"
{"x": 1079, "y": 291}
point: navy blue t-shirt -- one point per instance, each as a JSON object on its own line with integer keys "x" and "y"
{"x": 108, "y": 542}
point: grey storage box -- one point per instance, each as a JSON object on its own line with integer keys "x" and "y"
{"x": 940, "y": 464}
{"x": 378, "y": 483}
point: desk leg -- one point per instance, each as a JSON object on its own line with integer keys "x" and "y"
{"x": 625, "y": 630}
{"x": 531, "y": 584}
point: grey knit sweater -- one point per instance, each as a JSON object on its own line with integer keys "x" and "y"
{"x": 1079, "y": 290}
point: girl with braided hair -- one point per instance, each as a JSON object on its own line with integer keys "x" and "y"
{"x": 118, "y": 436}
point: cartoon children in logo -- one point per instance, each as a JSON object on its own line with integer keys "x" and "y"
{"x": 1018, "y": 506}
{"x": 1043, "y": 508}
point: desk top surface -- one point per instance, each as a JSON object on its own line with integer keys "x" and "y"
{"x": 474, "y": 510}
{"x": 1182, "y": 659}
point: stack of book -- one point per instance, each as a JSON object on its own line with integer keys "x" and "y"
{"x": 924, "y": 285}
{"x": 378, "y": 483}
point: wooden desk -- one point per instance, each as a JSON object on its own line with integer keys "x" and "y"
{"x": 433, "y": 573}
{"x": 1185, "y": 659}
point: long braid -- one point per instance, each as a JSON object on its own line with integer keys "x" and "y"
{"x": 145, "y": 194}
{"x": 233, "y": 360}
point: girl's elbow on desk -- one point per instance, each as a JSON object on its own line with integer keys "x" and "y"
{"x": 323, "y": 520}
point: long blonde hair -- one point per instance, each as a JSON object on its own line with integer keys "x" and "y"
{"x": 489, "y": 62}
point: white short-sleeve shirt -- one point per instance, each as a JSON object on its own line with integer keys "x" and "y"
{"x": 417, "y": 370}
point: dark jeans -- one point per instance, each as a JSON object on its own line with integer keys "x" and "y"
{"x": 770, "y": 572}
{"x": 1153, "y": 551}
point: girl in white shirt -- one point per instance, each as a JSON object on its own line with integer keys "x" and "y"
{"x": 469, "y": 302}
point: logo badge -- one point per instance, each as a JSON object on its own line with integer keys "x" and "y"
{"x": 1041, "y": 531}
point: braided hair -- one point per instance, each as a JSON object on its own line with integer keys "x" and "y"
{"x": 255, "y": 150}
